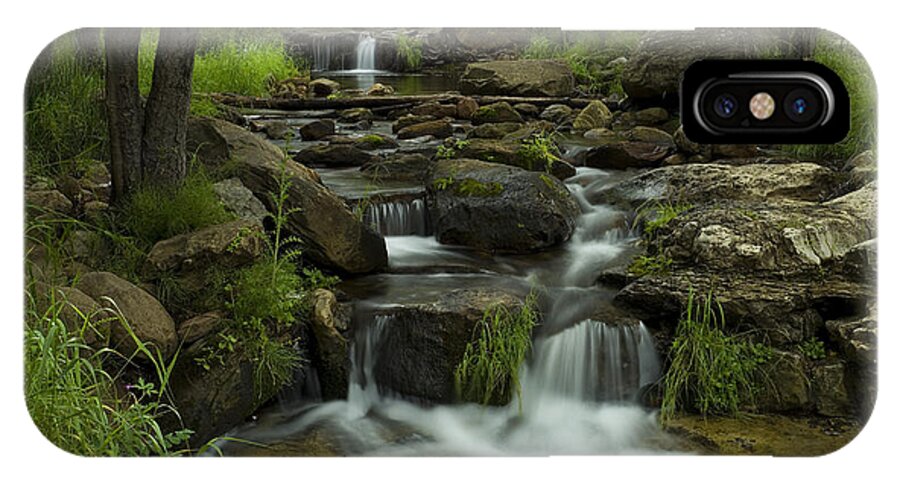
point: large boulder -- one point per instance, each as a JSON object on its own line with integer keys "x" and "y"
{"x": 334, "y": 155}
{"x": 323, "y": 87}
{"x": 421, "y": 345}
{"x": 145, "y": 316}
{"x": 407, "y": 120}
{"x": 700, "y": 183}
{"x": 332, "y": 235}
{"x": 78, "y": 311}
{"x": 525, "y": 78}
{"x": 229, "y": 245}
{"x": 435, "y": 109}
{"x": 783, "y": 237}
{"x": 494, "y": 130}
{"x": 499, "y": 208}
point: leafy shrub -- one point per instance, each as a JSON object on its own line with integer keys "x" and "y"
{"x": 489, "y": 371}
{"x": 153, "y": 212}
{"x": 710, "y": 371}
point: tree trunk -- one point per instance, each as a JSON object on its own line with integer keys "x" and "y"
{"x": 88, "y": 48}
{"x": 123, "y": 108}
{"x": 165, "y": 122}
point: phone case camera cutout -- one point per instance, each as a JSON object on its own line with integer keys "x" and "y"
{"x": 429, "y": 241}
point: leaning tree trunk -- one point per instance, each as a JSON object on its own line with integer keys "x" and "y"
{"x": 165, "y": 121}
{"x": 123, "y": 108}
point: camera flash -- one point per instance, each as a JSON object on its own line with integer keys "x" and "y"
{"x": 762, "y": 105}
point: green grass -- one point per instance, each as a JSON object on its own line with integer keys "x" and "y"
{"x": 489, "y": 371}
{"x": 643, "y": 265}
{"x": 446, "y": 152}
{"x": 409, "y": 51}
{"x": 78, "y": 405}
{"x": 710, "y": 371}
{"x": 841, "y": 57}
{"x": 65, "y": 119}
{"x": 658, "y": 214}
{"x": 153, "y": 213}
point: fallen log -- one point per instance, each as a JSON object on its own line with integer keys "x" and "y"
{"x": 383, "y": 102}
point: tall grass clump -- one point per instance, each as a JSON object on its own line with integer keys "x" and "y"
{"x": 409, "y": 51}
{"x": 838, "y": 55}
{"x": 65, "y": 118}
{"x": 157, "y": 212}
{"x": 711, "y": 371}
{"x": 489, "y": 371}
{"x": 78, "y": 405}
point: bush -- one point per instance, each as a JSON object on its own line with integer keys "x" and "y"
{"x": 588, "y": 58}
{"x": 539, "y": 150}
{"x": 711, "y": 371}
{"x": 489, "y": 371}
{"x": 153, "y": 213}
{"x": 78, "y": 406}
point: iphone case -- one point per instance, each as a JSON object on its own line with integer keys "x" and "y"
{"x": 441, "y": 241}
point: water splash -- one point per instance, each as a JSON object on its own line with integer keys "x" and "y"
{"x": 365, "y": 53}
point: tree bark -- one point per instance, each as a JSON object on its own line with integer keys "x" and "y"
{"x": 165, "y": 122}
{"x": 123, "y": 108}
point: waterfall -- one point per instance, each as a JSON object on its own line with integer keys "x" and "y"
{"x": 363, "y": 391}
{"x": 399, "y": 218}
{"x": 365, "y": 53}
{"x": 321, "y": 54}
{"x": 592, "y": 361}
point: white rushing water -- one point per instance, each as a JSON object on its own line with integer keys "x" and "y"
{"x": 579, "y": 387}
{"x": 399, "y": 218}
{"x": 365, "y": 53}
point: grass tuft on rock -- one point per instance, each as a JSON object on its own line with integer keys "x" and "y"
{"x": 154, "y": 213}
{"x": 489, "y": 371}
{"x": 710, "y": 371}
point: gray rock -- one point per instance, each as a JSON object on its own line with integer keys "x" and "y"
{"x": 323, "y": 87}
{"x": 829, "y": 390}
{"x": 317, "y": 129}
{"x": 595, "y": 115}
{"x": 239, "y": 200}
{"x": 499, "y": 112}
{"x": 435, "y": 109}
{"x": 498, "y": 208}
{"x": 557, "y": 113}
{"x": 331, "y": 359}
{"x": 146, "y": 317}
{"x": 399, "y": 167}
{"x": 334, "y": 155}
{"x": 435, "y": 128}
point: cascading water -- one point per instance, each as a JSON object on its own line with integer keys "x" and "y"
{"x": 322, "y": 51}
{"x": 399, "y": 217}
{"x": 578, "y": 388}
{"x": 365, "y": 53}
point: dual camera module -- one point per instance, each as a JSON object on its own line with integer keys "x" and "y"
{"x": 727, "y": 101}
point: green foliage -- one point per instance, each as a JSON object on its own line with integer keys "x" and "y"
{"x": 812, "y": 348}
{"x": 446, "y": 152}
{"x": 267, "y": 290}
{"x": 65, "y": 119}
{"x": 837, "y": 54}
{"x": 77, "y": 404}
{"x": 204, "y": 107}
{"x": 642, "y": 265}
{"x": 443, "y": 183}
{"x": 659, "y": 214}
{"x": 539, "y": 150}
{"x": 489, "y": 371}
{"x": 409, "y": 51}
{"x": 710, "y": 371}
{"x": 155, "y": 212}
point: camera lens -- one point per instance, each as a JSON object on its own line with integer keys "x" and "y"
{"x": 725, "y": 105}
{"x": 801, "y": 105}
